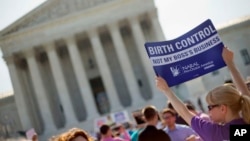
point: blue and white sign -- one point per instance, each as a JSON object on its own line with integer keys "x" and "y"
{"x": 193, "y": 54}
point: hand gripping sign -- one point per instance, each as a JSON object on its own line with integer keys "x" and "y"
{"x": 189, "y": 56}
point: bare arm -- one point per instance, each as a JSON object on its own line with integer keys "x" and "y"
{"x": 191, "y": 138}
{"x": 228, "y": 56}
{"x": 179, "y": 106}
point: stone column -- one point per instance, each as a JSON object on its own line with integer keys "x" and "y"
{"x": 61, "y": 85}
{"x": 156, "y": 25}
{"x": 104, "y": 70}
{"x": 40, "y": 91}
{"x": 140, "y": 41}
{"x": 19, "y": 95}
{"x": 81, "y": 77}
{"x": 125, "y": 63}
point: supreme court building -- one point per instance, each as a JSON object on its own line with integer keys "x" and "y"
{"x": 72, "y": 61}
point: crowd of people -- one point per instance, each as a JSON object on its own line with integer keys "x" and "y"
{"x": 227, "y": 104}
{"x": 180, "y": 121}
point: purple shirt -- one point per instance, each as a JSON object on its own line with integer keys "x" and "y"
{"x": 180, "y": 133}
{"x": 210, "y": 131}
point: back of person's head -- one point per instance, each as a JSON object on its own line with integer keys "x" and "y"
{"x": 104, "y": 129}
{"x": 170, "y": 106}
{"x": 73, "y": 134}
{"x": 190, "y": 106}
{"x": 230, "y": 96}
{"x": 76, "y": 132}
{"x": 228, "y": 81}
{"x": 179, "y": 119}
{"x": 138, "y": 116}
{"x": 149, "y": 112}
{"x": 117, "y": 129}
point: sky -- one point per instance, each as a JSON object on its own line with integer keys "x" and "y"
{"x": 176, "y": 18}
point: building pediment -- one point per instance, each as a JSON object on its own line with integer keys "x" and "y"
{"x": 49, "y": 11}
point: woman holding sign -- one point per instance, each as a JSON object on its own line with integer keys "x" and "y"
{"x": 225, "y": 104}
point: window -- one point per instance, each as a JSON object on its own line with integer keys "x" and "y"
{"x": 245, "y": 56}
{"x": 91, "y": 63}
{"x": 139, "y": 82}
{"x": 100, "y": 95}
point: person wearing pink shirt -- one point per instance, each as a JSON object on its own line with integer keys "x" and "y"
{"x": 107, "y": 135}
{"x": 122, "y": 132}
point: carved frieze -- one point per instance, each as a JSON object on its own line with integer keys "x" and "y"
{"x": 54, "y": 9}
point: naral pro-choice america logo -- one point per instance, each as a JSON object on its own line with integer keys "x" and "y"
{"x": 178, "y": 69}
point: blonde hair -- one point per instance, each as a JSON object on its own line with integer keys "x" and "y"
{"x": 230, "y": 96}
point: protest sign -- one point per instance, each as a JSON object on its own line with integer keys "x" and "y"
{"x": 189, "y": 56}
{"x": 111, "y": 119}
{"x": 121, "y": 117}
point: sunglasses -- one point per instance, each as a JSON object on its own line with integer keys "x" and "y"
{"x": 210, "y": 107}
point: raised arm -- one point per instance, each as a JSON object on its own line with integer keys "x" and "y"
{"x": 239, "y": 82}
{"x": 178, "y": 105}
